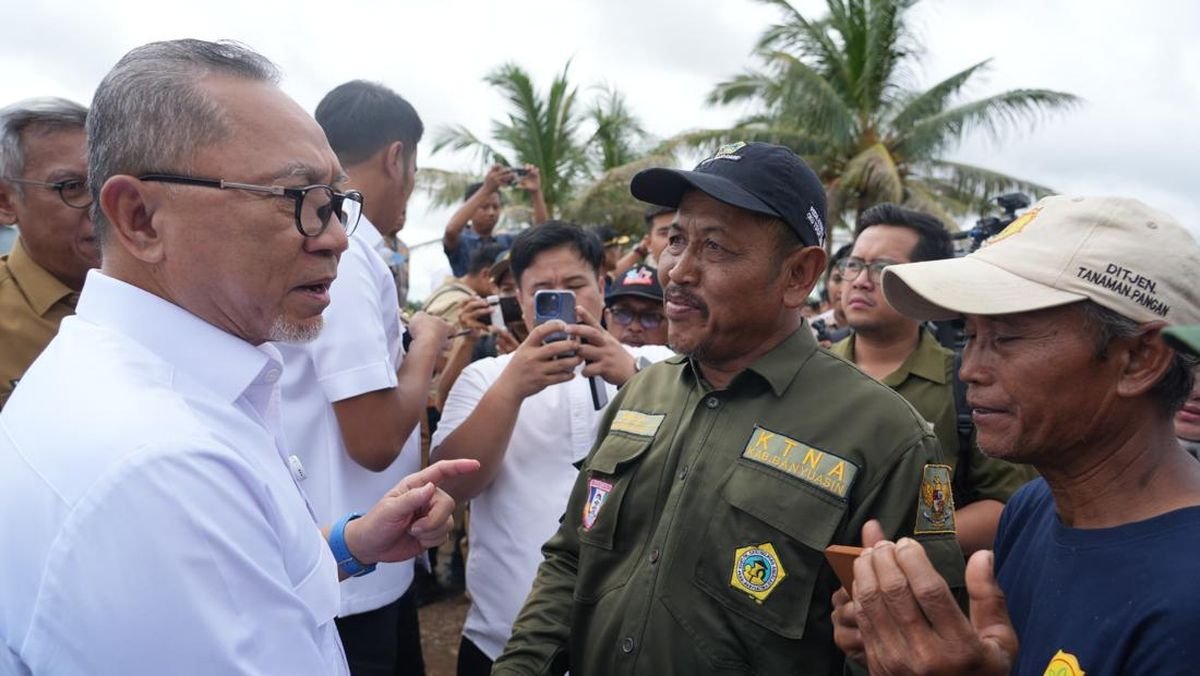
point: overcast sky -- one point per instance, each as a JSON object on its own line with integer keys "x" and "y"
{"x": 1137, "y": 65}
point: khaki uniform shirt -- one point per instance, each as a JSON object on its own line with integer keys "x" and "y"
{"x": 693, "y": 539}
{"x": 32, "y": 303}
{"x": 926, "y": 380}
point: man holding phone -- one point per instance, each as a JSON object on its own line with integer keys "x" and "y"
{"x": 473, "y": 225}
{"x": 528, "y": 417}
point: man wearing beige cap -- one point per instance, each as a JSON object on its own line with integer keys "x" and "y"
{"x": 1068, "y": 370}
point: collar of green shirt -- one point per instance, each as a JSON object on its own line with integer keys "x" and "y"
{"x": 928, "y": 361}
{"x": 777, "y": 367}
{"x": 41, "y": 288}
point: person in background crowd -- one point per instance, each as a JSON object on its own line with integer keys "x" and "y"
{"x": 635, "y": 308}
{"x": 399, "y": 260}
{"x": 43, "y": 186}
{"x": 658, "y": 221}
{"x": 527, "y": 417}
{"x": 1068, "y": 370}
{"x": 614, "y": 243}
{"x": 905, "y": 356}
{"x": 164, "y": 527}
{"x": 1187, "y": 418}
{"x": 353, "y": 397}
{"x": 473, "y": 224}
{"x": 693, "y": 538}
{"x": 830, "y": 326}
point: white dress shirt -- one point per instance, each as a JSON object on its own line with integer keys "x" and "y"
{"x": 358, "y": 351}
{"x": 150, "y": 522}
{"x": 520, "y": 509}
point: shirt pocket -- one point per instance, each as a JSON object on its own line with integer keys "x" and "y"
{"x": 760, "y": 507}
{"x": 608, "y": 478}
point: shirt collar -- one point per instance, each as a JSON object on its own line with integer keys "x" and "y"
{"x": 778, "y": 367}
{"x": 927, "y": 361}
{"x": 41, "y": 288}
{"x": 369, "y": 235}
{"x": 219, "y": 361}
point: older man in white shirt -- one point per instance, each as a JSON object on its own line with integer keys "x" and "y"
{"x": 161, "y": 528}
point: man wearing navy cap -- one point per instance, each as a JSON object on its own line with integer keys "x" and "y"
{"x": 634, "y": 308}
{"x": 693, "y": 539}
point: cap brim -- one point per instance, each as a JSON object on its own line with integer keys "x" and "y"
{"x": 945, "y": 289}
{"x": 665, "y": 187}
{"x": 639, "y": 293}
{"x": 1184, "y": 338}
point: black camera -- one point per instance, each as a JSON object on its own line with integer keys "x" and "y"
{"x": 826, "y": 334}
{"x": 990, "y": 226}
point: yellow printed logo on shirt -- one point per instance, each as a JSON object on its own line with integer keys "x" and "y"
{"x": 1063, "y": 664}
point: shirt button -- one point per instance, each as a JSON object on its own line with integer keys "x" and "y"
{"x": 712, "y": 402}
{"x": 271, "y": 375}
{"x": 627, "y": 645}
{"x": 655, "y": 554}
{"x": 683, "y": 473}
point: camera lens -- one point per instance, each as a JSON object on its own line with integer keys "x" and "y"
{"x": 547, "y": 304}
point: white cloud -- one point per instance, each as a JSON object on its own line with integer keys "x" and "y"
{"x": 1136, "y": 64}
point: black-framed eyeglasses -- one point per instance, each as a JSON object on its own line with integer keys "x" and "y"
{"x": 852, "y": 267}
{"x": 315, "y": 204}
{"x": 73, "y": 191}
{"x": 625, "y": 317}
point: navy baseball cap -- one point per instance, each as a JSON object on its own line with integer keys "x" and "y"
{"x": 759, "y": 177}
{"x": 640, "y": 280}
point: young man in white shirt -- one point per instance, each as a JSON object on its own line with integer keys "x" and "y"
{"x": 161, "y": 529}
{"x": 353, "y": 397}
{"x": 527, "y": 417}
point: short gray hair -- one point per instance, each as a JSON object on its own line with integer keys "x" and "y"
{"x": 1174, "y": 388}
{"x": 39, "y": 115}
{"x": 150, "y": 114}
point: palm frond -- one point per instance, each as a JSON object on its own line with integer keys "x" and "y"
{"x": 993, "y": 115}
{"x": 935, "y": 99}
{"x": 458, "y": 137}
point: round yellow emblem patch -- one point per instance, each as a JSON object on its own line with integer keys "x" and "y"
{"x": 1063, "y": 664}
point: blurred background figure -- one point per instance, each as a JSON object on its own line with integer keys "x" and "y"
{"x": 474, "y": 224}
{"x": 635, "y": 308}
{"x": 43, "y": 187}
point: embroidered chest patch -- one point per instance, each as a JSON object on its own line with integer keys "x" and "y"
{"x": 598, "y": 491}
{"x": 821, "y": 469}
{"x": 935, "y": 511}
{"x": 757, "y": 570}
{"x": 636, "y": 423}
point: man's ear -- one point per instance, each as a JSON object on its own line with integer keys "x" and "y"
{"x": 1146, "y": 358}
{"x": 800, "y": 271}
{"x": 394, "y": 160}
{"x": 8, "y": 204}
{"x": 129, "y": 207}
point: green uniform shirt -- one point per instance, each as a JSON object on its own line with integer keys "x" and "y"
{"x": 926, "y": 380}
{"x": 693, "y": 539}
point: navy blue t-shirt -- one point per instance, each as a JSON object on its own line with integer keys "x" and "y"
{"x": 1123, "y": 600}
{"x": 468, "y": 242}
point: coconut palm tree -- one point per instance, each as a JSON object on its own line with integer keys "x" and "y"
{"x": 833, "y": 89}
{"x": 542, "y": 130}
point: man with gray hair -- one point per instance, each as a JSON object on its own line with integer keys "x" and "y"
{"x": 1068, "y": 371}
{"x": 166, "y": 529}
{"x": 43, "y": 188}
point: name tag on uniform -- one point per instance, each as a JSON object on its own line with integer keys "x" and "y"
{"x": 636, "y": 423}
{"x": 818, "y": 468}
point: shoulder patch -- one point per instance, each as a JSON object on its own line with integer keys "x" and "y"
{"x": 935, "y": 504}
{"x": 636, "y": 423}
{"x": 821, "y": 469}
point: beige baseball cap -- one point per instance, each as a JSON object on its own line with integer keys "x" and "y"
{"x": 1119, "y": 253}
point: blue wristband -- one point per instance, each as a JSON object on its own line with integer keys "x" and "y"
{"x": 341, "y": 553}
